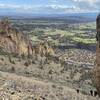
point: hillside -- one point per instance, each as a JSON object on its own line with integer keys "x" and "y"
{"x": 59, "y": 68}
{"x": 22, "y": 88}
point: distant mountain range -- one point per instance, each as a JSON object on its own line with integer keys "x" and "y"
{"x": 49, "y": 15}
{"x": 80, "y": 17}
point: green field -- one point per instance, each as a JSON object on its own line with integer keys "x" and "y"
{"x": 77, "y": 33}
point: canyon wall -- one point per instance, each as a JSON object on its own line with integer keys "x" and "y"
{"x": 96, "y": 70}
{"x": 13, "y": 41}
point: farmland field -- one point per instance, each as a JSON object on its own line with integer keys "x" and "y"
{"x": 74, "y": 44}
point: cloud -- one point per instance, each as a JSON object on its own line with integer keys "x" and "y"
{"x": 50, "y": 8}
{"x": 89, "y": 5}
{"x": 54, "y": 1}
{"x": 88, "y": 1}
{"x": 57, "y": 8}
{"x": 76, "y": 5}
{"x": 54, "y": 6}
{"x": 15, "y": 7}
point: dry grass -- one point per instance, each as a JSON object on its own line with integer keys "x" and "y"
{"x": 22, "y": 88}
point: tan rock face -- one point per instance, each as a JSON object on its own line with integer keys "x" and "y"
{"x": 43, "y": 49}
{"x": 13, "y": 41}
{"x": 96, "y": 70}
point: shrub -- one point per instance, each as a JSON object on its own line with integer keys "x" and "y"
{"x": 12, "y": 69}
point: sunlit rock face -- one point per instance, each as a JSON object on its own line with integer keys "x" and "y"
{"x": 44, "y": 49}
{"x": 13, "y": 41}
{"x": 96, "y": 70}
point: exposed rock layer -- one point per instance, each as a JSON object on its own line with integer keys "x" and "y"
{"x": 96, "y": 70}
{"x": 13, "y": 41}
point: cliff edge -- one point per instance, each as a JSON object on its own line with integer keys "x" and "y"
{"x": 13, "y": 41}
{"x": 96, "y": 70}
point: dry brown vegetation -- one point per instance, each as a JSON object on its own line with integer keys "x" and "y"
{"x": 22, "y": 88}
{"x": 42, "y": 75}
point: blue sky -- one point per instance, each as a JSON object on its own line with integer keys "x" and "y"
{"x": 49, "y": 6}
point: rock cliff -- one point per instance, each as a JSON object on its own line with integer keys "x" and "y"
{"x": 96, "y": 70}
{"x": 43, "y": 49}
{"x": 13, "y": 41}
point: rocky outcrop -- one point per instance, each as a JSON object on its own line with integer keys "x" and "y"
{"x": 13, "y": 41}
{"x": 43, "y": 49}
{"x": 96, "y": 70}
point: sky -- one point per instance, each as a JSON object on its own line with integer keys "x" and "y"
{"x": 49, "y": 6}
